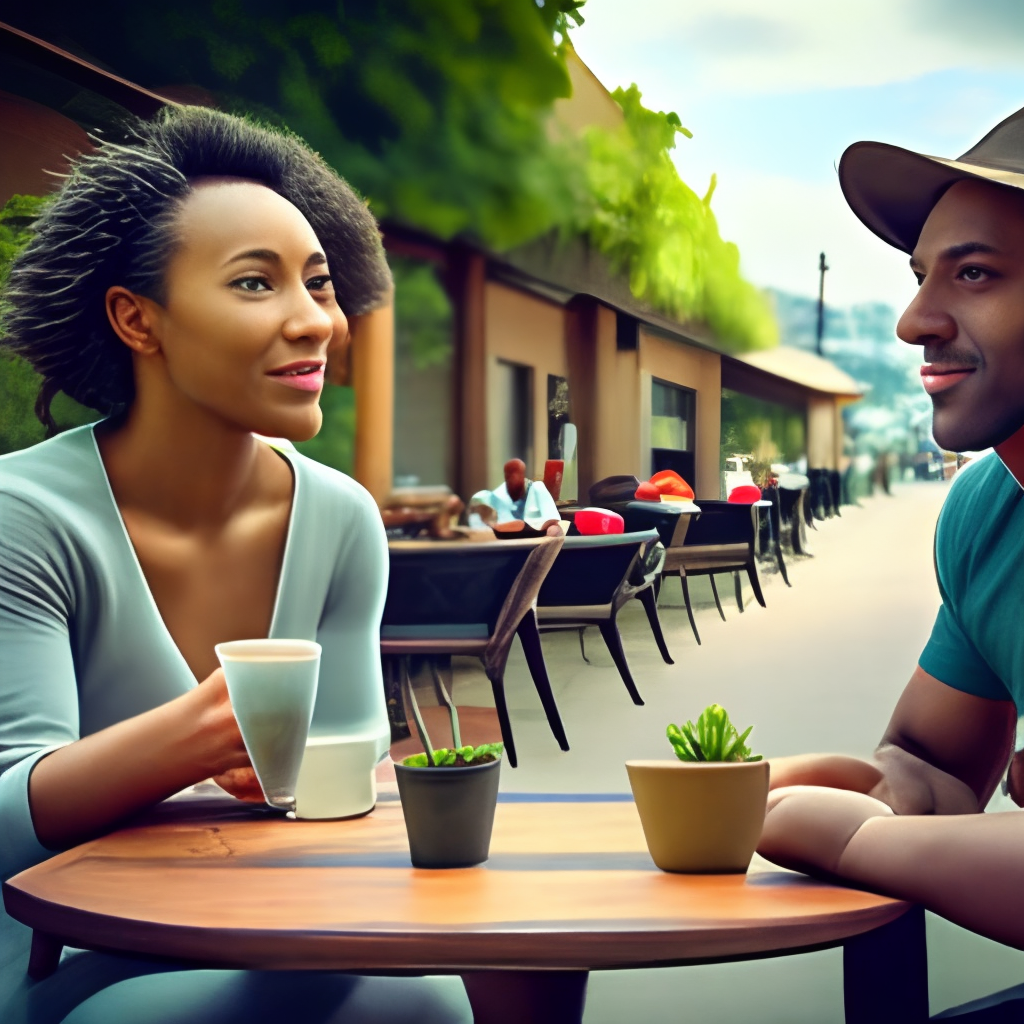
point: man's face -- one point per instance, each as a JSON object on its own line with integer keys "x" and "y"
{"x": 969, "y": 314}
{"x": 515, "y": 478}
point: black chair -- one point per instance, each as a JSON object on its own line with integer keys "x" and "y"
{"x": 720, "y": 539}
{"x": 590, "y": 581}
{"x": 770, "y": 529}
{"x": 447, "y": 598}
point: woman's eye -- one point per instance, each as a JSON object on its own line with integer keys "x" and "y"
{"x": 250, "y": 284}
{"x": 317, "y": 284}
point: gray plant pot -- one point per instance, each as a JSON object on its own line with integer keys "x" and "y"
{"x": 449, "y": 813}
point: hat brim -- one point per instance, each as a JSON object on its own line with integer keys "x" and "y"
{"x": 893, "y": 190}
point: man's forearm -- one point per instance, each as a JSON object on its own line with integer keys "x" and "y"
{"x": 967, "y": 869}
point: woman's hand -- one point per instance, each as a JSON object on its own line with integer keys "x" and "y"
{"x": 242, "y": 784}
{"x": 807, "y": 828}
{"x": 219, "y": 741}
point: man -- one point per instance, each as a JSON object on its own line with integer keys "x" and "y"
{"x": 906, "y": 823}
{"x": 516, "y": 498}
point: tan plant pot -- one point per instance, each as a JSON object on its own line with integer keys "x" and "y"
{"x": 700, "y": 817}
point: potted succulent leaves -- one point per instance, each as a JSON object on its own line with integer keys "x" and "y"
{"x": 703, "y": 811}
{"x": 448, "y": 795}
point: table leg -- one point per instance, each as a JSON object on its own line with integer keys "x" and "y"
{"x": 514, "y": 997}
{"x": 43, "y": 956}
{"x": 885, "y": 973}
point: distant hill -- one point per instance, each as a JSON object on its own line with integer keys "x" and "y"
{"x": 860, "y": 339}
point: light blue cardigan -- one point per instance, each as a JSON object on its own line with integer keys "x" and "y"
{"x": 82, "y": 645}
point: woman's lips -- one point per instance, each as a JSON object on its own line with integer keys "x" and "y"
{"x": 936, "y": 380}
{"x": 305, "y": 378}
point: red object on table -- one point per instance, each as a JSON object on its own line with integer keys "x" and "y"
{"x": 591, "y": 521}
{"x": 668, "y": 481}
{"x": 647, "y": 492}
{"x": 553, "y": 470}
{"x": 745, "y": 494}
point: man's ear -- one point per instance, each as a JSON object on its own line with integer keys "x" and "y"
{"x": 133, "y": 318}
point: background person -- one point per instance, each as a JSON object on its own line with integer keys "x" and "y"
{"x": 517, "y": 498}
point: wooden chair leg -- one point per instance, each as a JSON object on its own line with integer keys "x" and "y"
{"x": 755, "y": 584}
{"x": 583, "y": 650}
{"x": 739, "y": 590}
{"x": 650, "y": 603}
{"x": 529, "y": 637}
{"x": 498, "y": 689}
{"x": 714, "y": 590}
{"x": 689, "y": 607}
{"x": 610, "y": 632}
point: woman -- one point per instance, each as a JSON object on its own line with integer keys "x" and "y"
{"x": 188, "y": 286}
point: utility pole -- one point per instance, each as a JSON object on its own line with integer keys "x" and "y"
{"x": 822, "y": 267}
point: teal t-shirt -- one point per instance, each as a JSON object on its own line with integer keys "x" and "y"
{"x": 977, "y": 643}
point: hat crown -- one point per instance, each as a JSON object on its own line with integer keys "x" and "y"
{"x": 1002, "y": 148}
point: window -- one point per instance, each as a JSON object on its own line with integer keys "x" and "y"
{"x": 673, "y": 419}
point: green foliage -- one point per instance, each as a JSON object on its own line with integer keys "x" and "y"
{"x": 423, "y": 315}
{"x": 444, "y": 758}
{"x": 654, "y": 228}
{"x": 714, "y": 738}
{"x": 19, "y": 383}
{"x": 434, "y": 109}
{"x": 334, "y": 445}
{"x": 16, "y": 219}
{"x": 439, "y": 111}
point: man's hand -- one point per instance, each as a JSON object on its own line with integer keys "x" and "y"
{"x": 807, "y": 828}
{"x": 836, "y": 771}
{"x": 1015, "y": 779}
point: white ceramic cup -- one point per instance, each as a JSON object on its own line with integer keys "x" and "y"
{"x": 272, "y": 686}
{"x": 337, "y": 777}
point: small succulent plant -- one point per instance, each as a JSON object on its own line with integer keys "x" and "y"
{"x": 713, "y": 738}
{"x": 445, "y": 758}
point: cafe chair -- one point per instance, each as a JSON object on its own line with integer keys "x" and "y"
{"x": 720, "y": 539}
{"x": 590, "y": 581}
{"x": 471, "y": 599}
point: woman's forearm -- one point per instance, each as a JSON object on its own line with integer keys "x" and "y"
{"x": 967, "y": 868}
{"x": 86, "y": 787}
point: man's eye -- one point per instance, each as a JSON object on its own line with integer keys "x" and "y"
{"x": 974, "y": 274}
{"x": 250, "y": 284}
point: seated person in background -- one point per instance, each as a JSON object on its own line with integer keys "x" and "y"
{"x": 516, "y": 498}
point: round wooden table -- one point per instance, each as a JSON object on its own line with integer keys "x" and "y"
{"x": 569, "y": 888}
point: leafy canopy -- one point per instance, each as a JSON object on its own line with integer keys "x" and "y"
{"x": 439, "y": 111}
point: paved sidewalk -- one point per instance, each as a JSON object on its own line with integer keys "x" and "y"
{"x": 819, "y": 669}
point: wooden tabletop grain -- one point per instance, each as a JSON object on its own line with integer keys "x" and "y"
{"x": 569, "y": 886}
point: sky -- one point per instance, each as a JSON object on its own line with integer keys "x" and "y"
{"x": 774, "y": 93}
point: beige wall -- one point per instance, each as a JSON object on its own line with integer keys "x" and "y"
{"x": 524, "y": 329}
{"x": 689, "y": 367}
{"x": 822, "y": 438}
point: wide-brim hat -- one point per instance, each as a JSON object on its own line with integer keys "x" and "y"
{"x": 893, "y": 190}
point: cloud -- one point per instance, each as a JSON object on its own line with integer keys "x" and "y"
{"x": 794, "y": 45}
{"x": 782, "y": 224}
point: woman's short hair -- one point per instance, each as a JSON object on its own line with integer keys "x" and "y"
{"x": 112, "y": 223}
